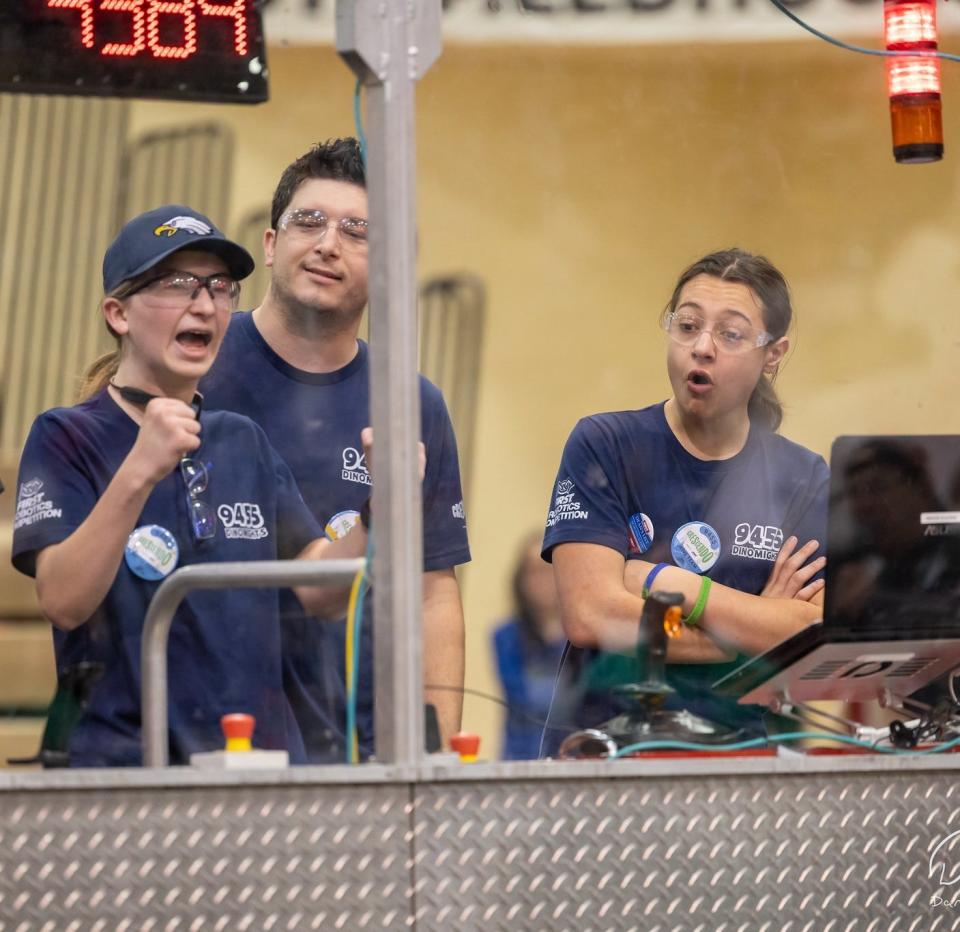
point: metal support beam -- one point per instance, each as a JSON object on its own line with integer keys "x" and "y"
{"x": 389, "y": 44}
{"x": 156, "y": 626}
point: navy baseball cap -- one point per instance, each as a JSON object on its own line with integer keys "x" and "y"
{"x": 150, "y": 237}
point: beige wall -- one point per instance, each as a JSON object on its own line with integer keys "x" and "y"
{"x": 578, "y": 183}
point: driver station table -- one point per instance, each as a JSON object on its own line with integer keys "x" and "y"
{"x": 766, "y": 843}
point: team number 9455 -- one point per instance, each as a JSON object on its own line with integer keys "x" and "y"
{"x": 761, "y": 536}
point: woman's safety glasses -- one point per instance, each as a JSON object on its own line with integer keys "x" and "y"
{"x": 177, "y": 289}
{"x": 729, "y": 336}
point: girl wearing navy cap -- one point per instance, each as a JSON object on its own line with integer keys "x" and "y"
{"x": 117, "y": 491}
{"x": 697, "y": 490}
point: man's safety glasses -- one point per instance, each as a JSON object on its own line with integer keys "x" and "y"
{"x": 312, "y": 224}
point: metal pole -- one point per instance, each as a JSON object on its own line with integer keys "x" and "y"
{"x": 156, "y": 626}
{"x": 389, "y": 44}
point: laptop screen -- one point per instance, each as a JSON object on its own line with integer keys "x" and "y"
{"x": 893, "y": 545}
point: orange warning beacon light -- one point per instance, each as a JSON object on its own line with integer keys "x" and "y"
{"x": 913, "y": 81}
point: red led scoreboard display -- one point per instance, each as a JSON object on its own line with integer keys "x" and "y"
{"x": 183, "y": 50}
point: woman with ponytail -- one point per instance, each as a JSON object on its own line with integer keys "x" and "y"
{"x": 137, "y": 479}
{"x": 698, "y": 495}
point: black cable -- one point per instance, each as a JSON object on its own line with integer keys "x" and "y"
{"x": 513, "y": 710}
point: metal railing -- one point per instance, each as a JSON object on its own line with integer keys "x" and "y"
{"x": 156, "y": 627}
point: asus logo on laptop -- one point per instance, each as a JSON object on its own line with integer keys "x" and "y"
{"x": 937, "y": 523}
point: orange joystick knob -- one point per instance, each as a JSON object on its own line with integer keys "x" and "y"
{"x": 238, "y": 730}
{"x": 673, "y": 621}
{"x": 467, "y": 745}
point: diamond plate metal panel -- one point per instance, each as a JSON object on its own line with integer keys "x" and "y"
{"x": 805, "y": 854}
{"x": 727, "y": 853}
{"x": 206, "y": 859}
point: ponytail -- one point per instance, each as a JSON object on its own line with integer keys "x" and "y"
{"x": 104, "y": 367}
{"x": 99, "y": 374}
{"x": 764, "y": 406}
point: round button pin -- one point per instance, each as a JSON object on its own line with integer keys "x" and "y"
{"x": 641, "y": 532}
{"x": 151, "y": 552}
{"x": 341, "y": 524}
{"x": 695, "y": 546}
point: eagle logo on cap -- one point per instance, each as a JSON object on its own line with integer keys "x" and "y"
{"x": 187, "y": 224}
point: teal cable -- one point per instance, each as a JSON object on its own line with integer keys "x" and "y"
{"x": 358, "y": 121}
{"x": 777, "y": 739}
{"x": 885, "y": 53}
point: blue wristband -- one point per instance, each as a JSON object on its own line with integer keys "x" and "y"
{"x": 651, "y": 576}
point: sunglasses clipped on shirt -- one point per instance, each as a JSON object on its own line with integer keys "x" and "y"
{"x": 196, "y": 478}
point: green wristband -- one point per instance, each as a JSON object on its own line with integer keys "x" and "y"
{"x": 701, "y": 603}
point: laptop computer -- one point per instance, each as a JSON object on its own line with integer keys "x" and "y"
{"x": 891, "y": 615}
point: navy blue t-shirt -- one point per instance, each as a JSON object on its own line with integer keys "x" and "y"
{"x": 627, "y": 483}
{"x": 224, "y": 649}
{"x": 314, "y": 421}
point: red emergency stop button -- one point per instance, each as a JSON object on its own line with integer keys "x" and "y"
{"x": 238, "y": 730}
{"x": 467, "y": 745}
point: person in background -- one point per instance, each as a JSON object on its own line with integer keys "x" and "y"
{"x": 528, "y": 646}
{"x": 699, "y": 495}
{"x": 295, "y": 365}
{"x": 138, "y": 479}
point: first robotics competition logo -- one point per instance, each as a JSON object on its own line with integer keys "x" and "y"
{"x": 33, "y": 505}
{"x": 566, "y": 506}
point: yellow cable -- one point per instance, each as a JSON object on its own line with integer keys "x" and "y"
{"x": 348, "y": 658}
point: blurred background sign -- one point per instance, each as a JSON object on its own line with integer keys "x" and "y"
{"x": 623, "y": 22}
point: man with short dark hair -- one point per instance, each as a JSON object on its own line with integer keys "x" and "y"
{"x": 296, "y": 366}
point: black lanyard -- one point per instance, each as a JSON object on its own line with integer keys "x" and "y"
{"x": 140, "y": 398}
